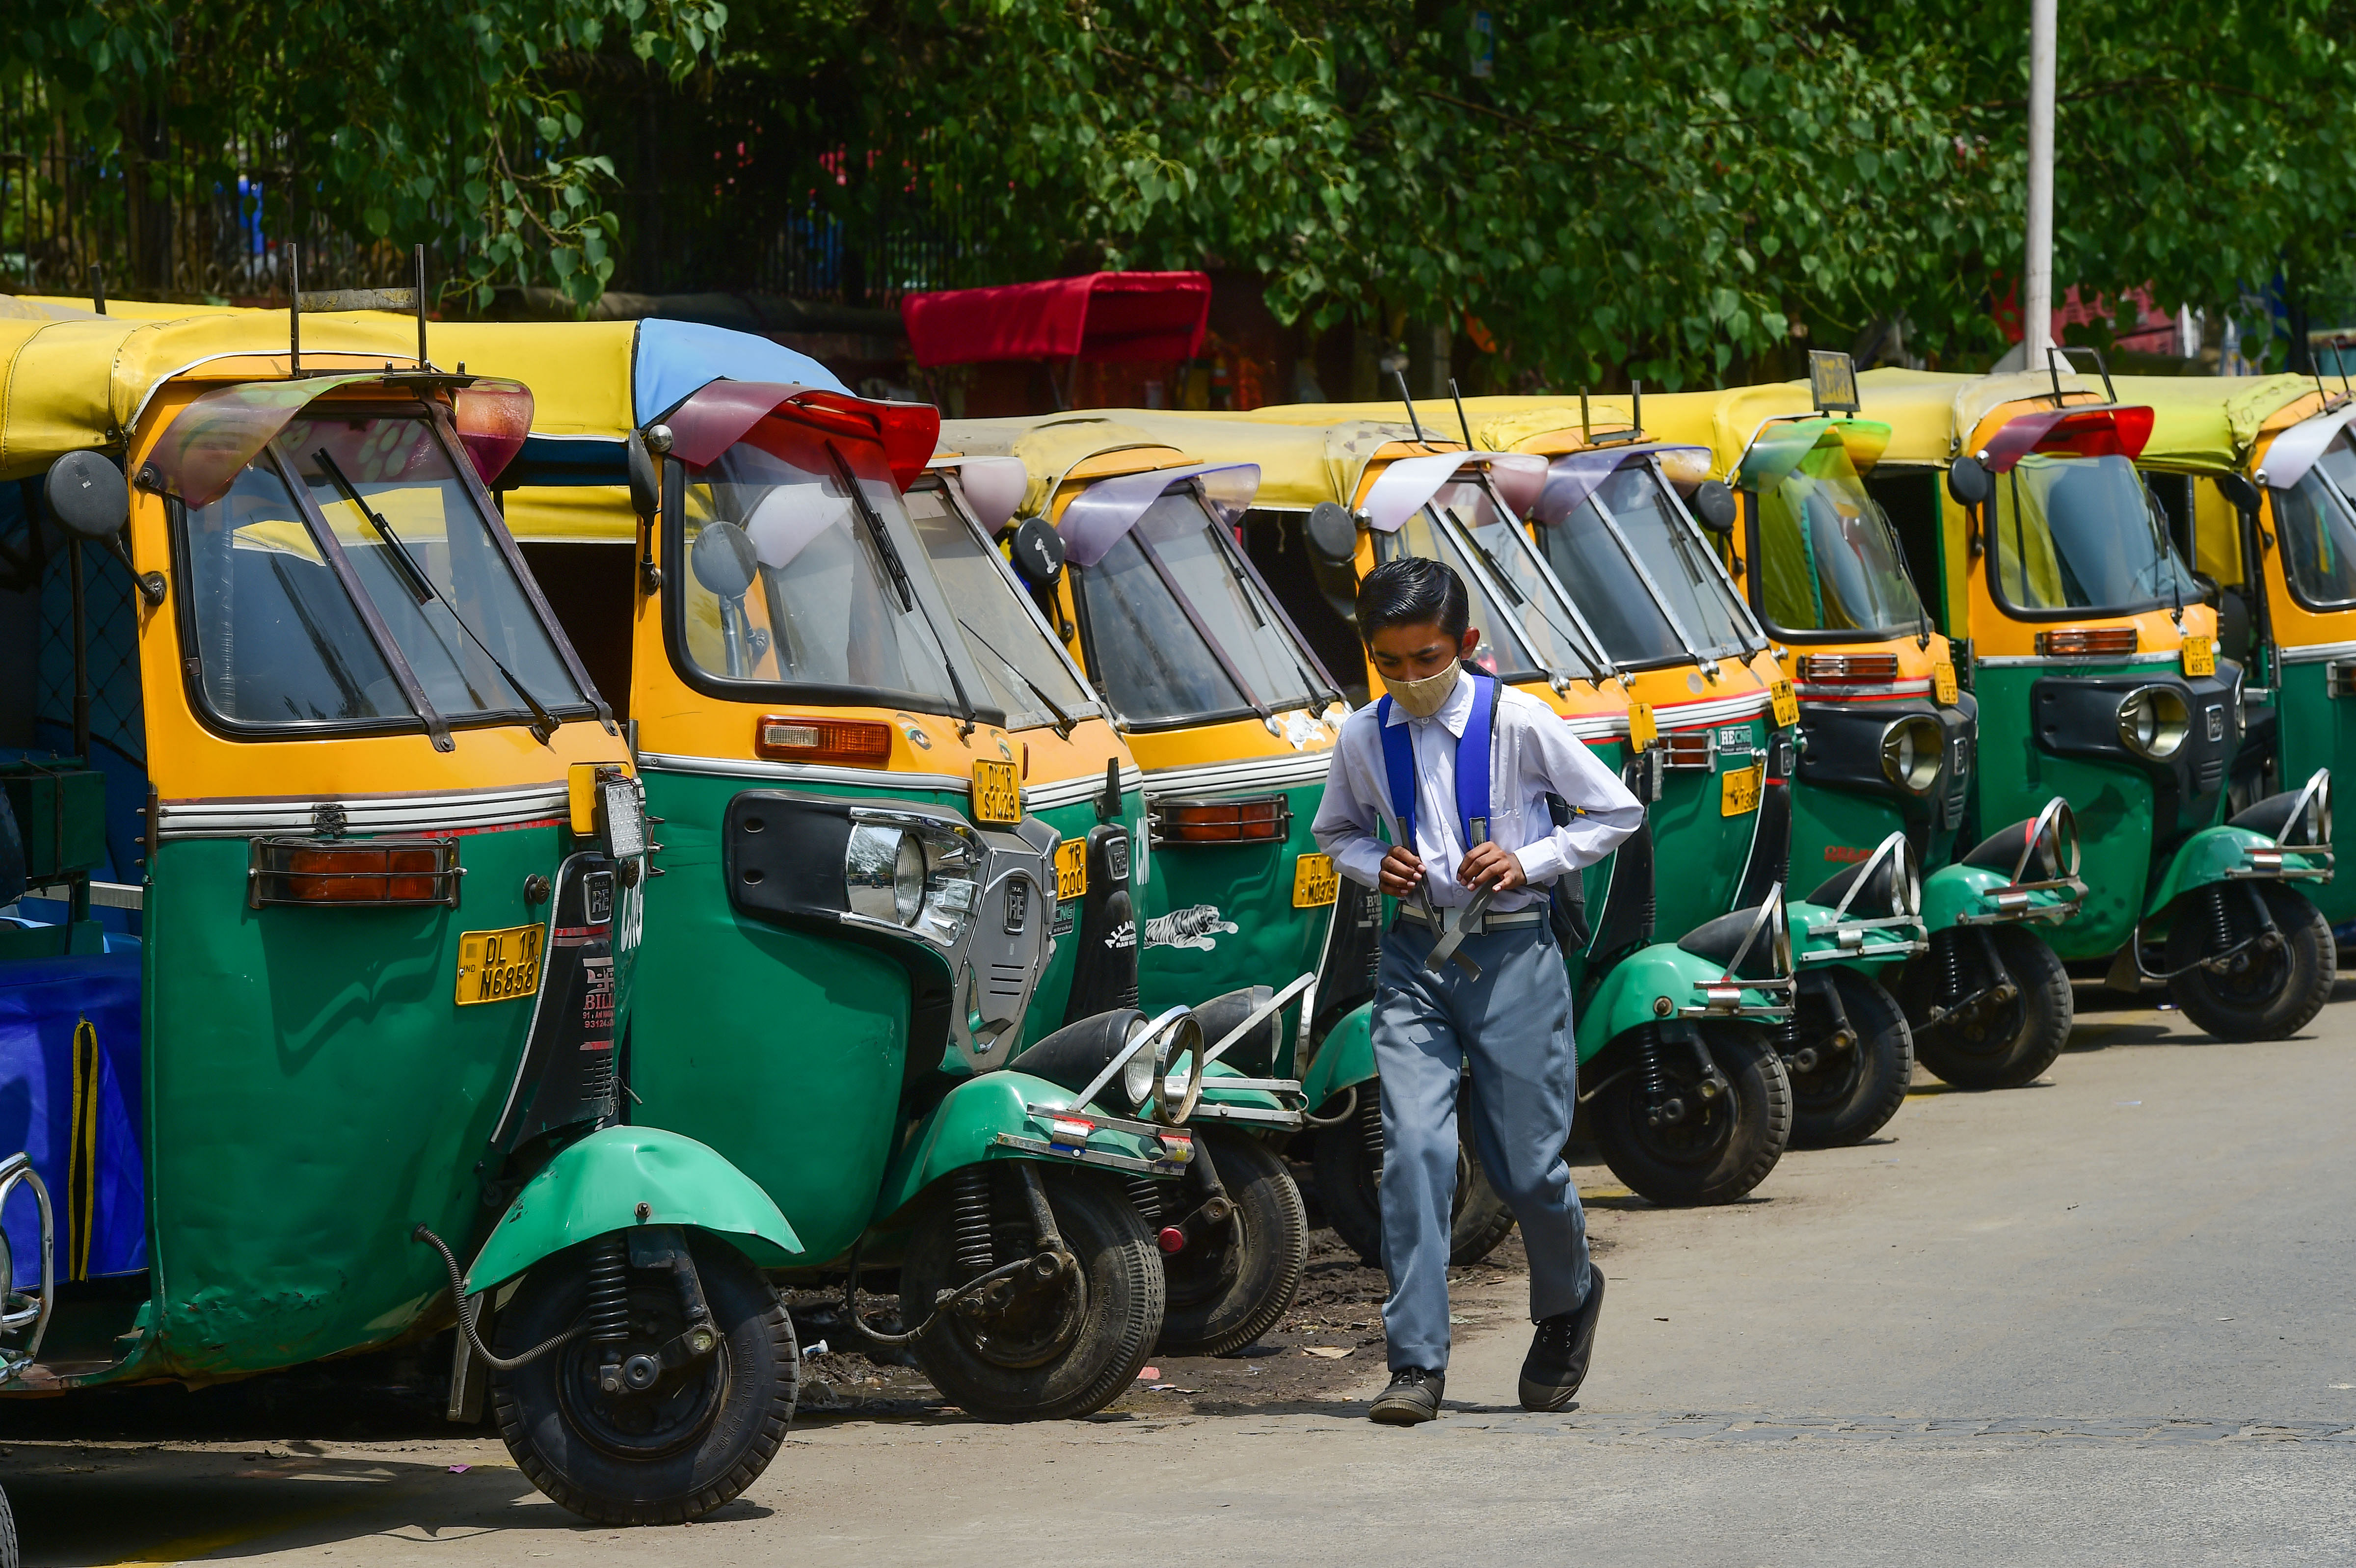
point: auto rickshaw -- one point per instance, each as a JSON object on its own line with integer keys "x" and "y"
{"x": 858, "y": 768}
{"x": 1889, "y": 731}
{"x": 1620, "y": 521}
{"x": 372, "y": 864}
{"x": 1689, "y": 1101}
{"x": 2094, "y": 659}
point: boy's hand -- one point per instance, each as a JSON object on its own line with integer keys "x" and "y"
{"x": 1490, "y": 867}
{"x": 1402, "y": 874}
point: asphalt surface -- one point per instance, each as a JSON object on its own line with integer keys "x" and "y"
{"x": 2105, "y": 1320}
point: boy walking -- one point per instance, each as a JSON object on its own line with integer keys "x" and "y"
{"x": 1458, "y": 768}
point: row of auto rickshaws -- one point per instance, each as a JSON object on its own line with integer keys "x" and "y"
{"x": 556, "y": 834}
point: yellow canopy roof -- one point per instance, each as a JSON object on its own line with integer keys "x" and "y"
{"x": 579, "y": 371}
{"x": 2207, "y": 423}
{"x": 1050, "y": 445}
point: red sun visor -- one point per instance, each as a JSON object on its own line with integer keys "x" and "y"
{"x": 2085, "y": 432}
{"x": 719, "y": 414}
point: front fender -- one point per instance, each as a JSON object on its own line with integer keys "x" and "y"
{"x": 1345, "y": 1056}
{"x": 972, "y": 1123}
{"x": 1655, "y": 983}
{"x": 1219, "y": 1088}
{"x": 1966, "y": 895}
{"x": 2215, "y": 854}
{"x": 1815, "y": 939}
{"x": 602, "y": 1183}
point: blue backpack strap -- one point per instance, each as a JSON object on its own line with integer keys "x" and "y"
{"x": 1474, "y": 751}
{"x": 1399, "y": 766}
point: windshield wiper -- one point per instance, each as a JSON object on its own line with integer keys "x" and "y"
{"x": 543, "y": 724}
{"x": 1921, "y": 615}
{"x": 881, "y": 537}
{"x": 1064, "y": 721}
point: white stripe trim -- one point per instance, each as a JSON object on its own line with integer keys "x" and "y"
{"x": 1035, "y": 797}
{"x": 1071, "y": 791}
{"x": 2072, "y": 661}
{"x": 1713, "y": 711}
{"x": 364, "y": 814}
{"x": 1264, "y": 772}
{"x": 1821, "y": 691}
{"x": 2315, "y": 652}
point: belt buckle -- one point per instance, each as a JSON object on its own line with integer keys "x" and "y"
{"x": 1452, "y": 918}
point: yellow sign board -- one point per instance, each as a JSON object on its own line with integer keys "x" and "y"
{"x": 1642, "y": 731}
{"x": 2200, "y": 655}
{"x": 498, "y": 966}
{"x": 1738, "y": 790}
{"x": 1071, "y": 869}
{"x": 1315, "y": 883}
{"x": 1787, "y": 705}
{"x": 997, "y": 793}
{"x": 1943, "y": 683}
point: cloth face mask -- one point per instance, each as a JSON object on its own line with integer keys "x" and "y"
{"x": 1424, "y": 698}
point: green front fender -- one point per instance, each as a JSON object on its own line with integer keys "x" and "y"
{"x": 2211, "y": 855}
{"x": 1219, "y": 1088}
{"x": 622, "y": 1177}
{"x": 1815, "y": 941}
{"x": 1648, "y": 986}
{"x": 1345, "y": 1057}
{"x": 964, "y": 1129}
{"x": 1953, "y": 892}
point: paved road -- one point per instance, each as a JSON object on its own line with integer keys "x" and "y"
{"x": 2102, "y": 1320}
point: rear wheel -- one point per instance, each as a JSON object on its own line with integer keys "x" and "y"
{"x": 1232, "y": 1281}
{"x": 1846, "y": 1083}
{"x": 1679, "y": 1136}
{"x": 1999, "y": 1027}
{"x": 1033, "y": 1348}
{"x": 8, "y": 1534}
{"x": 1348, "y": 1160}
{"x": 669, "y": 1449}
{"x": 2269, "y": 990}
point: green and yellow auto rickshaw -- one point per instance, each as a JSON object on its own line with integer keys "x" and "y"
{"x": 337, "y": 873}
{"x": 2096, "y": 662}
{"x": 872, "y": 783}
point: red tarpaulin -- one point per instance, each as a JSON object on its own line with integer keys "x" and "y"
{"x": 1103, "y": 317}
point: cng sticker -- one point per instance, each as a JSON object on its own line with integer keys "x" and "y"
{"x": 1315, "y": 883}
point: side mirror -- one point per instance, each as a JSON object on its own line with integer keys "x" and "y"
{"x": 723, "y": 559}
{"x": 1037, "y": 551}
{"x": 2239, "y": 493}
{"x": 87, "y": 495}
{"x": 1332, "y": 533}
{"x": 1713, "y": 506}
{"x": 645, "y": 479}
{"x": 1969, "y": 483}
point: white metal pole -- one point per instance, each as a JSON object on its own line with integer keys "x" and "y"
{"x": 2037, "y": 290}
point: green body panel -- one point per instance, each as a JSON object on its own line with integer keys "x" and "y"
{"x": 1813, "y": 932}
{"x": 2213, "y": 855}
{"x": 1627, "y": 996}
{"x": 597, "y": 1185}
{"x": 1698, "y": 852}
{"x": 1217, "y": 917}
{"x": 963, "y": 1129}
{"x": 1345, "y": 1056}
{"x": 1830, "y": 827}
{"x": 2316, "y": 730}
{"x": 1219, "y": 1088}
{"x": 313, "y": 1093}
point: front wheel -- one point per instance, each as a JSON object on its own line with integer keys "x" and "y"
{"x": 1232, "y": 1281}
{"x": 1034, "y": 1346}
{"x": 1348, "y": 1160}
{"x": 2274, "y": 985}
{"x": 1680, "y": 1134}
{"x": 643, "y": 1443}
{"x": 1990, "y": 1006}
{"x": 1846, "y": 1083}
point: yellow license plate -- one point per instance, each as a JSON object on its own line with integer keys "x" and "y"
{"x": 498, "y": 966}
{"x": 997, "y": 796}
{"x": 1642, "y": 731}
{"x": 2199, "y": 656}
{"x": 1787, "y": 705}
{"x": 1943, "y": 683}
{"x": 1739, "y": 792}
{"x": 1071, "y": 869}
{"x": 1315, "y": 883}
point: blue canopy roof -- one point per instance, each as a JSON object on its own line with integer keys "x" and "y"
{"x": 676, "y": 357}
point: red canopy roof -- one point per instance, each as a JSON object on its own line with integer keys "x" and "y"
{"x": 1103, "y": 317}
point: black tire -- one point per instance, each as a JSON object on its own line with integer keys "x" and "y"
{"x": 1723, "y": 1146}
{"x": 2274, "y": 993}
{"x": 687, "y": 1446}
{"x": 2006, "y": 1044}
{"x": 1349, "y": 1185}
{"x": 1235, "y": 1280}
{"x": 1852, "y": 1090}
{"x": 8, "y": 1558}
{"x": 1065, "y": 1352}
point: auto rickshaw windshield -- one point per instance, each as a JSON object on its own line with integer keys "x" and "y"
{"x": 2318, "y": 517}
{"x": 1028, "y": 676}
{"x": 1158, "y": 663}
{"x": 2079, "y": 534}
{"x": 1600, "y": 562}
{"x": 1832, "y": 561}
{"x": 1546, "y": 622}
{"x": 280, "y": 639}
{"x": 808, "y": 593}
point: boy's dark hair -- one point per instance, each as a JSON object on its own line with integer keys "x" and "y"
{"x": 1412, "y": 591}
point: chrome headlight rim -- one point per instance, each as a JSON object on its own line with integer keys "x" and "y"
{"x": 2155, "y": 721}
{"x": 912, "y": 875}
{"x": 1181, "y": 1041}
{"x": 1913, "y": 749}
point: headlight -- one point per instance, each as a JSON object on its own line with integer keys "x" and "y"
{"x": 1180, "y": 1064}
{"x": 2153, "y": 722}
{"x": 1906, "y": 883}
{"x": 1106, "y": 1051}
{"x": 1911, "y": 750}
{"x": 921, "y": 881}
{"x": 1137, "y": 1077}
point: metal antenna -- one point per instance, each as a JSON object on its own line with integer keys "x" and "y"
{"x": 98, "y": 288}
{"x": 1413, "y": 422}
{"x": 1586, "y": 427}
{"x": 1636, "y": 407}
{"x": 293, "y": 308}
{"x": 422, "y": 362}
{"x": 1462, "y": 423}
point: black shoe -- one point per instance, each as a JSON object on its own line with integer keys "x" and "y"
{"x": 1413, "y": 1397}
{"x": 1556, "y": 1363}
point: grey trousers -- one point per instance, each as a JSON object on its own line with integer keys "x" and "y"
{"x": 1512, "y": 1027}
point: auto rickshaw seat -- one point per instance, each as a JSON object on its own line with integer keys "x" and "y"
{"x": 71, "y": 1075}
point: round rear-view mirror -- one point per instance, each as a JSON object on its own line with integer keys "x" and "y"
{"x": 1332, "y": 533}
{"x": 87, "y": 495}
{"x": 1713, "y": 506}
{"x": 1037, "y": 551}
{"x": 723, "y": 559}
{"x": 1968, "y": 482}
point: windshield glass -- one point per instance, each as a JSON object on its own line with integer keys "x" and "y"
{"x": 2318, "y": 517}
{"x": 1028, "y": 676}
{"x": 788, "y": 581}
{"x": 1545, "y": 622}
{"x": 1613, "y": 597}
{"x": 420, "y": 514}
{"x": 1503, "y": 650}
{"x": 1831, "y": 556}
{"x": 1148, "y": 655}
{"x": 2083, "y": 533}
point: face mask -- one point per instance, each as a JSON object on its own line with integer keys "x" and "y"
{"x": 1424, "y": 698}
